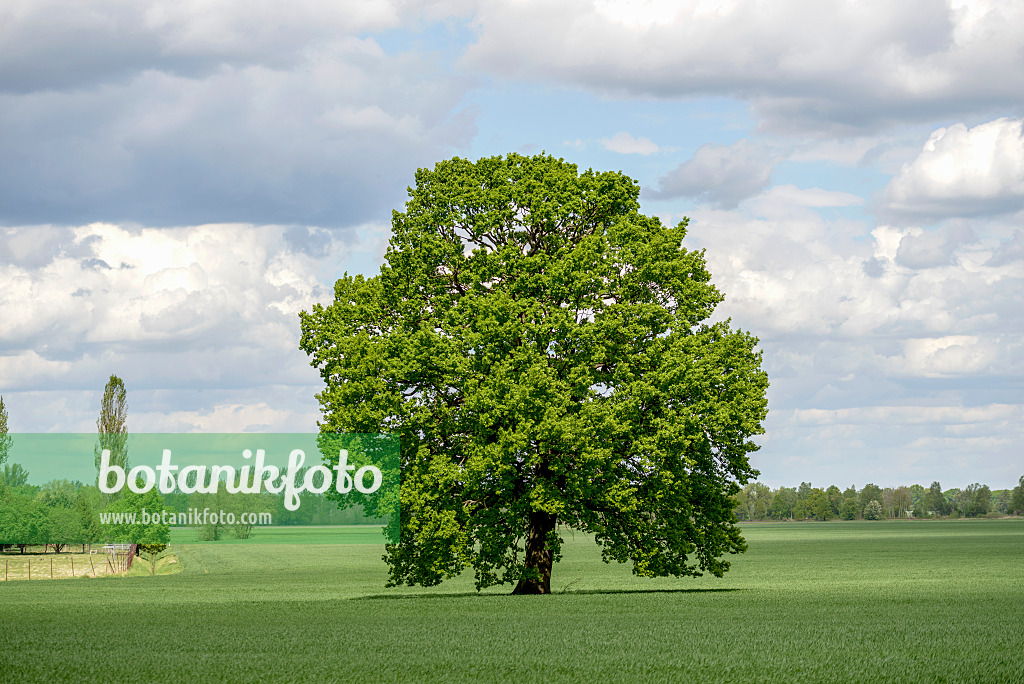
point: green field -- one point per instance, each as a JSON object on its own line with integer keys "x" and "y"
{"x": 862, "y": 601}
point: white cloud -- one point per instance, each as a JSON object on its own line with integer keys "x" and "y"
{"x": 721, "y": 175}
{"x": 624, "y": 143}
{"x": 812, "y": 197}
{"x": 852, "y": 316}
{"x": 252, "y": 416}
{"x": 804, "y": 65}
{"x": 174, "y": 116}
{"x": 963, "y": 172}
{"x": 951, "y": 355}
{"x": 912, "y": 415}
{"x": 931, "y": 248}
{"x": 55, "y": 44}
{"x": 268, "y": 408}
{"x": 214, "y": 306}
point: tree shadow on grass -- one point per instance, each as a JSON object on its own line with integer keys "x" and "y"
{"x": 571, "y": 592}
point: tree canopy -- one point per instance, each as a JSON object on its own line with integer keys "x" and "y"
{"x": 545, "y": 353}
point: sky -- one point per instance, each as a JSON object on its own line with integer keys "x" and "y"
{"x": 179, "y": 178}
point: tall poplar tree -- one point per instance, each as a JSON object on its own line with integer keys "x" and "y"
{"x": 112, "y": 424}
{"x": 5, "y": 439}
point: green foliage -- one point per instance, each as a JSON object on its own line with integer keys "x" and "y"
{"x": 138, "y": 531}
{"x": 152, "y": 553}
{"x": 975, "y": 500}
{"x": 873, "y": 510}
{"x": 754, "y": 501}
{"x": 818, "y": 505}
{"x": 23, "y": 520}
{"x": 6, "y": 441}
{"x": 542, "y": 350}
{"x": 916, "y": 492}
{"x": 58, "y": 513}
{"x": 1017, "y": 502}
{"x": 112, "y": 424}
{"x": 935, "y": 501}
{"x": 835, "y": 499}
{"x": 227, "y": 512}
{"x": 870, "y": 492}
{"x": 783, "y": 503}
{"x": 14, "y": 476}
{"x": 88, "y": 519}
{"x": 812, "y": 503}
{"x": 848, "y": 509}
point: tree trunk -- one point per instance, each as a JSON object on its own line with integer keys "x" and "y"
{"x": 538, "y": 555}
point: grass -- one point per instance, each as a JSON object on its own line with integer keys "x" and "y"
{"x": 887, "y": 601}
{"x": 304, "y": 534}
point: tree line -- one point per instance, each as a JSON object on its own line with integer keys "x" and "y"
{"x": 62, "y": 512}
{"x": 758, "y": 501}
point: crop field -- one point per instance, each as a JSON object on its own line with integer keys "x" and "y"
{"x": 862, "y": 601}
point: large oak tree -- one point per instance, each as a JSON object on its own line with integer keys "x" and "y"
{"x": 545, "y": 353}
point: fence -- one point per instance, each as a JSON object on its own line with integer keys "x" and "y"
{"x": 111, "y": 559}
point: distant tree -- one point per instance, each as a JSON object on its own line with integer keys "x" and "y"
{"x": 85, "y": 508}
{"x": 835, "y": 499}
{"x": 935, "y": 501}
{"x": 739, "y": 508}
{"x": 889, "y": 502}
{"x": 902, "y": 502}
{"x": 756, "y": 498}
{"x": 23, "y": 520}
{"x": 850, "y": 493}
{"x": 871, "y": 492}
{"x": 112, "y": 424}
{"x": 962, "y": 502}
{"x": 236, "y": 509}
{"x": 873, "y": 510}
{"x": 59, "y": 493}
{"x": 916, "y": 492}
{"x": 152, "y": 553}
{"x": 783, "y": 503}
{"x": 58, "y": 497}
{"x": 975, "y": 500}
{"x": 1017, "y": 500}
{"x": 950, "y": 498}
{"x": 14, "y": 476}
{"x": 1001, "y": 500}
{"x": 5, "y": 439}
{"x": 818, "y": 505}
{"x": 65, "y": 527}
{"x": 137, "y": 529}
{"x": 804, "y": 491}
{"x": 848, "y": 509}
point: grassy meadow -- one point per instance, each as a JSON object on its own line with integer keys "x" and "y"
{"x": 906, "y": 601}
